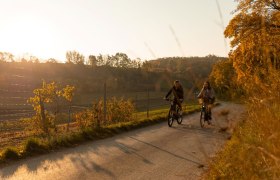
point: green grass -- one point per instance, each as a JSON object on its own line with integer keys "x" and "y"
{"x": 10, "y": 153}
{"x": 163, "y": 112}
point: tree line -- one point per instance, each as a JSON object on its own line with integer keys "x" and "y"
{"x": 120, "y": 74}
{"x": 74, "y": 57}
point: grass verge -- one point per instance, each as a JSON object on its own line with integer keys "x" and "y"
{"x": 254, "y": 149}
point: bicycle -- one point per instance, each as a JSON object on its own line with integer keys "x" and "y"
{"x": 171, "y": 116}
{"x": 204, "y": 114}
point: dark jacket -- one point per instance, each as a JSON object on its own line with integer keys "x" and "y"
{"x": 178, "y": 93}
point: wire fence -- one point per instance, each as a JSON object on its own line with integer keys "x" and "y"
{"x": 17, "y": 89}
{"x": 16, "y": 108}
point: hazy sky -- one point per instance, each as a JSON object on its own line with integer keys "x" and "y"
{"x": 49, "y": 28}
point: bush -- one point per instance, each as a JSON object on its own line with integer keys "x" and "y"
{"x": 34, "y": 146}
{"x": 10, "y": 154}
{"x": 118, "y": 110}
{"x": 84, "y": 118}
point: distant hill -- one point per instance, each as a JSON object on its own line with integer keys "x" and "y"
{"x": 192, "y": 71}
{"x": 18, "y": 79}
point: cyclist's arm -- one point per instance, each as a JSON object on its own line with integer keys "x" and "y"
{"x": 183, "y": 95}
{"x": 200, "y": 94}
{"x": 169, "y": 92}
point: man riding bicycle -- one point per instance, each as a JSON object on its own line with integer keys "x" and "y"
{"x": 178, "y": 94}
{"x": 208, "y": 96}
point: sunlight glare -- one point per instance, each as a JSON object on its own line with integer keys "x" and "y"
{"x": 28, "y": 35}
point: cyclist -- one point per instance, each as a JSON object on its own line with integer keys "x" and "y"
{"x": 178, "y": 94}
{"x": 208, "y": 96}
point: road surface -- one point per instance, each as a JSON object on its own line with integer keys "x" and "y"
{"x": 154, "y": 152}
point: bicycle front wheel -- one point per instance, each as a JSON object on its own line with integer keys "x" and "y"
{"x": 180, "y": 117}
{"x": 202, "y": 118}
{"x": 170, "y": 118}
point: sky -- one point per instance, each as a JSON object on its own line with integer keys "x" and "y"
{"x": 144, "y": 29}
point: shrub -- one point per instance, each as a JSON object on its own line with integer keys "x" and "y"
{"x": 10, "y": 154}
{"x": 34, "y": 146}
{"x": 118, "y": 110}
{"x": 84, "y": 118}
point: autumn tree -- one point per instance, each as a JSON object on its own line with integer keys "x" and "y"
{"x": 255, "y": 38}
{"x": 68, "y": 94}
{"x": 6, "y": 57}
{"x": 74, "y": 57}
{"x": 52, "y": 60}
{"x": 48, "y": 94}
{"x": 99, "y": 60}
{"x": 121, "y": 60}
{"x": 92, "y": 61}
{"x": 42, "y": 96}
{"x": 223, "y": 79}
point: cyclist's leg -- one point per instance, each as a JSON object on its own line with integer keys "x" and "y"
{"x": 180, "y": 107}
{"x": 210, "y": 111}
{"x": 176, "y": 106}
{"x": 173, "y": 107}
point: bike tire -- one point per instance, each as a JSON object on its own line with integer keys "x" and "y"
{"x": 170, "y": 118}
{"x": 202, "y": 118}
{"x": 180, "y": 118}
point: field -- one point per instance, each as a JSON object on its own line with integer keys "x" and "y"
{"x": 18, "y": 80}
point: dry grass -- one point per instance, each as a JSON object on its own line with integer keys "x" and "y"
{"x": 254, "y": 149}
{"x": 224, "y": 112}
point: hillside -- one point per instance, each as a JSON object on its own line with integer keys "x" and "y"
{"x": 18, "y": 79}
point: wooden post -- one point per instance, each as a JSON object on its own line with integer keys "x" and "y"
{"x": 148, "y": 103}
{"x": 105, "y": 98}
{"x": 43, "y": 115}
{"x": 69, "y": 117}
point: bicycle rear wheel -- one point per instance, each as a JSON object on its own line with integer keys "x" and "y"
{"x": 170, "y": 118}
{"x": 202, "y": 118}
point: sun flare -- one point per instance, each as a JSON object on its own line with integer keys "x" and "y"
{"x": 27, "y": 35}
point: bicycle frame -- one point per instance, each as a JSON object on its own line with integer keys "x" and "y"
{"x": 171, "y": 116}
{"x": 204, "y": 114}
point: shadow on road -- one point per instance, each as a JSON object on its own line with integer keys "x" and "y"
{"x": 206, "y": 132}
{"x": 163, "y": 150}
{"x": 79, "y": 157}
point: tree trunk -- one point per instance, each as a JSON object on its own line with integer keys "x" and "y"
{"x": 43, "y": 116}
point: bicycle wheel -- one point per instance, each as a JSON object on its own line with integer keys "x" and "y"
{"x": 180, "y": 117}
{"x": 202, "y": 117}
{"x": 170, "y": 118}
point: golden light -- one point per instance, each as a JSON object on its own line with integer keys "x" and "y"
{"x": 28, "y": 35}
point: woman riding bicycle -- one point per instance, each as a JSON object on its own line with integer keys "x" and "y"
{"x": 178, "y": 94}
{"x": 208, "y": 96}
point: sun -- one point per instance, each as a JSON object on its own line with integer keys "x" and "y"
{"x": 27, "y": 35}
